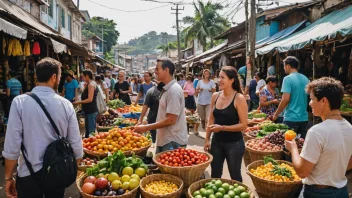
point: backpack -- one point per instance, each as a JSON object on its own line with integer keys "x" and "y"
{"x": 59, "y": 162}
{"x": 100, "y": 101}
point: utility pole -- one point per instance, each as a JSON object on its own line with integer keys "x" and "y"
{"x": 102, "y": 35}
{"x": 177, "y": 9}
{"x": 252, "y": 36}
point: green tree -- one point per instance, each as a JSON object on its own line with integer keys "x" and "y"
{"x": 109, "y": 56}
{"x": 165, "y": 48}
{"x": 97, "y": 26}
{"x": 206, "y": 23}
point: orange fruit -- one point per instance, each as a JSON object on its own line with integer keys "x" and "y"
{"x": 290, "y": 135}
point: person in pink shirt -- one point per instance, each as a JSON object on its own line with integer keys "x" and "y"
{"x": 188, "y": 90}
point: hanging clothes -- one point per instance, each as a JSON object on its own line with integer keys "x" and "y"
{"x": 27, "y": 48}
{"x": 36, "y": 48}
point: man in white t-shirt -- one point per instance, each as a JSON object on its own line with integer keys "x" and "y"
{"x": 328, "y": 146}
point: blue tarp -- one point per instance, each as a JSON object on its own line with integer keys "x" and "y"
{"x": 337, "y": 22}
{"x": 280, "y": 35}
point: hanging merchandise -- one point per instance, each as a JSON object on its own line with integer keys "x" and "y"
{"x": 14, "y": 48}
{"x": 18, "y": 49}
{"x": 4, "y": 46}
{"x": 27, "y": 49}
{"x": 36, "y": 48}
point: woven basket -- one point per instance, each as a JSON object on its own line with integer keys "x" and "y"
{"x": 247, "y": 137}
{"x": 142, "y": 152}
{"x": 159, "y": 177}
{"x": 79, "y": 183}
{"x": 259, "y": 155}
{"x": 266, "y": 188}
{"x": 189, "y": 174}
{"x": 200, "y": 184}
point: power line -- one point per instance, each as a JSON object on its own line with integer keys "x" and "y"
{"x": 127, "y": 10}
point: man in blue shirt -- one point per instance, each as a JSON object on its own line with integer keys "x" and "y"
{"x": 294, "y": 98}
{"x": 70, "y": 90}
{"x": 14, "y": 87}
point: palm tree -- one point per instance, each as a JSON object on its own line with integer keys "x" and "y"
{"x": 206, "y": 24}
{"x": 165, "y": 48}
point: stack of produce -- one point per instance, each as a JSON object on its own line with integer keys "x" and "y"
{"x": 262, "y": 144}
{"x": 256, "y": 116}
{"x": 182, "y": 157}
{"x": 115, "y": 104}
{"x": 219, "y": 189}
{"x": 275, "y": 179}
{"x": 273, "y": 171}
{"x": 267, "y": 128}
{"x": 114, "y": 140}
{"x": 130, "y": 108}
{"x": 161, "y": 186}
{"x": 114, "y": 175}
{"x": 111, "y": 121}
{"x": 107, "y": 119}
{"x": 88, "y": 162}
{"x": 187, "y": 164}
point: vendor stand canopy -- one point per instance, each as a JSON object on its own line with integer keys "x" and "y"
{"x": 58, "y": 47}
{"x": 210, "y": 51}
{"x": 12, "y": 29}
{"x": 337, "y": 22}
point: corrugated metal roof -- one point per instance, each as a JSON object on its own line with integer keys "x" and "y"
{"x": 337, "y": 22}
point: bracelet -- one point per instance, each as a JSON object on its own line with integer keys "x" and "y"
{"x": 8, "y": 179}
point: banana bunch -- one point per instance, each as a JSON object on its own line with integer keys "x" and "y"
{"x": 14, "y": 48}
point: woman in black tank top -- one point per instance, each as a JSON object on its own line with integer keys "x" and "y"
{"x": 227, "y": 119}
{"x": 89, "y": 104}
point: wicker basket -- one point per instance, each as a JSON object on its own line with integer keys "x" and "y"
{"x": 200, "y": 184}
{"x": 247, "y": 137}
{"x": 159, "y": 177}
{"x": 142, "y": 152}
{"x": 79, "y": 183}
{"x": 189, "y": 174}
{"x": 266, "y": 188}
{"x": 259, "y": 155}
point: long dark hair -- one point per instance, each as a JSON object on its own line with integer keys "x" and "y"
{"x": 232, "y": 73}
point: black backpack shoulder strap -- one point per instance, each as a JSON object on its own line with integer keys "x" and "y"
{"x": 35, "y": 97}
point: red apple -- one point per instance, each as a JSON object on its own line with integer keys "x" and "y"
{"x": 101, "y": 183}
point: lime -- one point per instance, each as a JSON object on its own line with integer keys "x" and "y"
{"x": 237, "y": 196}
{"x": 202, "y": 191}
{"x": 198, "y": 196}
{"x": 206, "y": 194}
{"x": 215, "y": 189}
{"x": 232, "y": 187}
{"x": 226, "y": 186}
{"x": 196, "y": 193}
{"x": 206, "y": 185}
{"x": 210, "y": 186}
{"x": 231, "y": 194}
{"x": 237, "y": 191}
{"x": 242, "y": 189}
{"x": 212, "y": 196}
{"x": 235, "y": 185}
{"x": 213, "y": 181}
{"x": 244, "y": 195}
{"x": 227, "y": 196}
{"x": 210, "y": 191}
{"x": 222, "y": 191}
{"x": 218, "y": 183}
{"x": 219, "y": 195}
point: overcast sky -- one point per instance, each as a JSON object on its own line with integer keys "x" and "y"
{"x": 158, "y": 16}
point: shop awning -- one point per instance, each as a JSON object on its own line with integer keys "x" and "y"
{"x": 185, "y": 65}
{"x": 280, "y": 35}
{"x": 12, "y": 29}
{"x": 210, "y": 51}
{"x": 234, "y": 46}
{"x": 209, "y": 58}
{"x": 58, "y": 47}
{"x": 328, "y": 27}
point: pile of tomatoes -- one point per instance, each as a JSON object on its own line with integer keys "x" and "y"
{"x": 182, "y": 157}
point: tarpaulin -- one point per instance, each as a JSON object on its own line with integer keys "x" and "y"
{"x": 58, "y": 47}
{"x": 337, "y": 22}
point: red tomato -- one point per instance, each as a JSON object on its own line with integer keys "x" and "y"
{"x": 178, "y": 160}
{"x": 179, "y": 165}
{"x": 193, "y": 160}
{"x": 171, "y": 159}
{"x": 166, "y": 158}
{"x": 189, "y": 163}
{"x": 175, "y": 164}
{"x": 174, "y": 161}
{"x": 168, "y": 153}
{"x": 191, "y": 155}
{"x": 163, "y": 161}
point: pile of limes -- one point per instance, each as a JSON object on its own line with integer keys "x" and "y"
{"x": 219, "y": 189}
